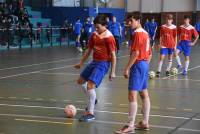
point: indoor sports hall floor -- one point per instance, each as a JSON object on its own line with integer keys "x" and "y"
{"x": 36, "y": 85}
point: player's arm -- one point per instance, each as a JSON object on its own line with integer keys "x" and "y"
{"x": 196, "y": 38}
{"x": 84, "y": 58}
{"x": 113, "y": 65}
{"x": 160, "y": 41}
{"x": 133, "y": 57}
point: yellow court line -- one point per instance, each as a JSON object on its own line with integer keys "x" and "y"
{"x": 171, "y": 108}
{"x": 42, "y": 121}
{"x": 187, "y": 109}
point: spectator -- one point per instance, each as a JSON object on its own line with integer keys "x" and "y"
{"x": 77, "y": 31}
{"x": 115, "y": 28}
{"x": 197, "y": 26}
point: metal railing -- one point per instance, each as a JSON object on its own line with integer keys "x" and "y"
{"x": 21, "y": 36}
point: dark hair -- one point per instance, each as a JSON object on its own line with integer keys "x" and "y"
{"x": 100, "y": 19}
{"x": 187, "y": 17}
{"x": 169, "y": 16}
{"x": 136, "y": 17}
{"x": 77, "y": 19}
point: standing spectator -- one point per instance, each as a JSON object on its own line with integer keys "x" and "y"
{"x": 108, "y": 23}
{"x": 197, "y": 26}
{"x": 116, "y": 31}
{"x": 146, "y": 25}
{"x": 87, "y": 31}
{"x": 152, "y": 31}
{"x": 77, "y": 31}
{"x": 38, "y": 32}
{"x": 48, "y": 33}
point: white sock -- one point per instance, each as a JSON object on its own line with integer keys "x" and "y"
{"x": 84, "y": 87}
{"x": 160, "y": 65}
{"x": 132, "y": 113}
{"x": 169, "y": 65}
{"x": 91, "y": 102}
{"x": 187, "y": 65}
{"x": 178, "y": 60}
{"x": 146, "y": 110}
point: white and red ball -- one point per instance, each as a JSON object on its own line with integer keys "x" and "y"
{"x": 70, "y": 111}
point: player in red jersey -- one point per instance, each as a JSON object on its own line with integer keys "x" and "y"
{"x": 102, "y": 44}
{"x": 137, "y": 72}
{"x": 185, "y": 33}
{"x": 168, "y": 41}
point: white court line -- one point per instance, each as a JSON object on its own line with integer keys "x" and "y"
{"x": 95, "y": 121}
{"x": 181, "y": 72}
{"x": 185, "y": 80}
{"x": 59, "y": 73}
{"x": 42, "y": 63}
{"x": 63, "y": 118}
{"x": 34, "y": 72}
{"x": 98, "y": 111}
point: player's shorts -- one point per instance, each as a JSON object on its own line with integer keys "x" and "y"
{"x": 95, "y": 71}
{"x": 184, "y": 47}
{"x": 77, "y": 34}
{"x": 166, "y": 51}
{"x": 138, "y": 79}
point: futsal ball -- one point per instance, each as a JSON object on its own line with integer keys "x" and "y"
{"x": 70, "y": 111}
{"x": 174, "y": 71}
{"x": 152, "y": 74}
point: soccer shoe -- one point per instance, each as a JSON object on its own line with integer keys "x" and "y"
{"x": 179, "y": 67}
{"x": 142, "y": 126}
{"x": 157, "y": 74}
{"x": 184, "y": 72}
{"x": 86, "y": 118}
{"x": 167, "y": 73}
{"x": 126, "y": 130}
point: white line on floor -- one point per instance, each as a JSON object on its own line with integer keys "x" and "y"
{"x": 34, "y": 72}
{"x": 95, "y": 121}
{"x": 48, "y": 62}
{"x": 185, "y": 80}
{"x": 181, "y": 72}
{"x": 98, "y": 111}
{"x": 42, "y": 63}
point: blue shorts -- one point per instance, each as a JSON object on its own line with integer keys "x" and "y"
{"x": 166, "y": 51}
{"x": 95, "y": 71}
{"x": 138, "y": 79}
{"x": 77, "y": 34}
{"x": 184, "y": 46}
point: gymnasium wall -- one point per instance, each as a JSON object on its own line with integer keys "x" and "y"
{"x": 133, "y": 5}
{"x": 151, "y": 6}
{"x": 111, "y": 4}
{"x": 157, "y": 6}
{"x": 58, "y": 14}
{"x": 179, "y": 5}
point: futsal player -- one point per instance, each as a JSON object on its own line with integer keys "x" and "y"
{"x": 102, "y": 44}
{"x": 137, "y": 72}
{"x": 185, "y": 34}
{"x": 168, "y": 41}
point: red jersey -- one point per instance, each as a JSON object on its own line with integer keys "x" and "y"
{"x": 102, "y": 45}
{"x": 168, "y": 36}
{"x": 186, "y": 32}
{"x": 141, "y": 43}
